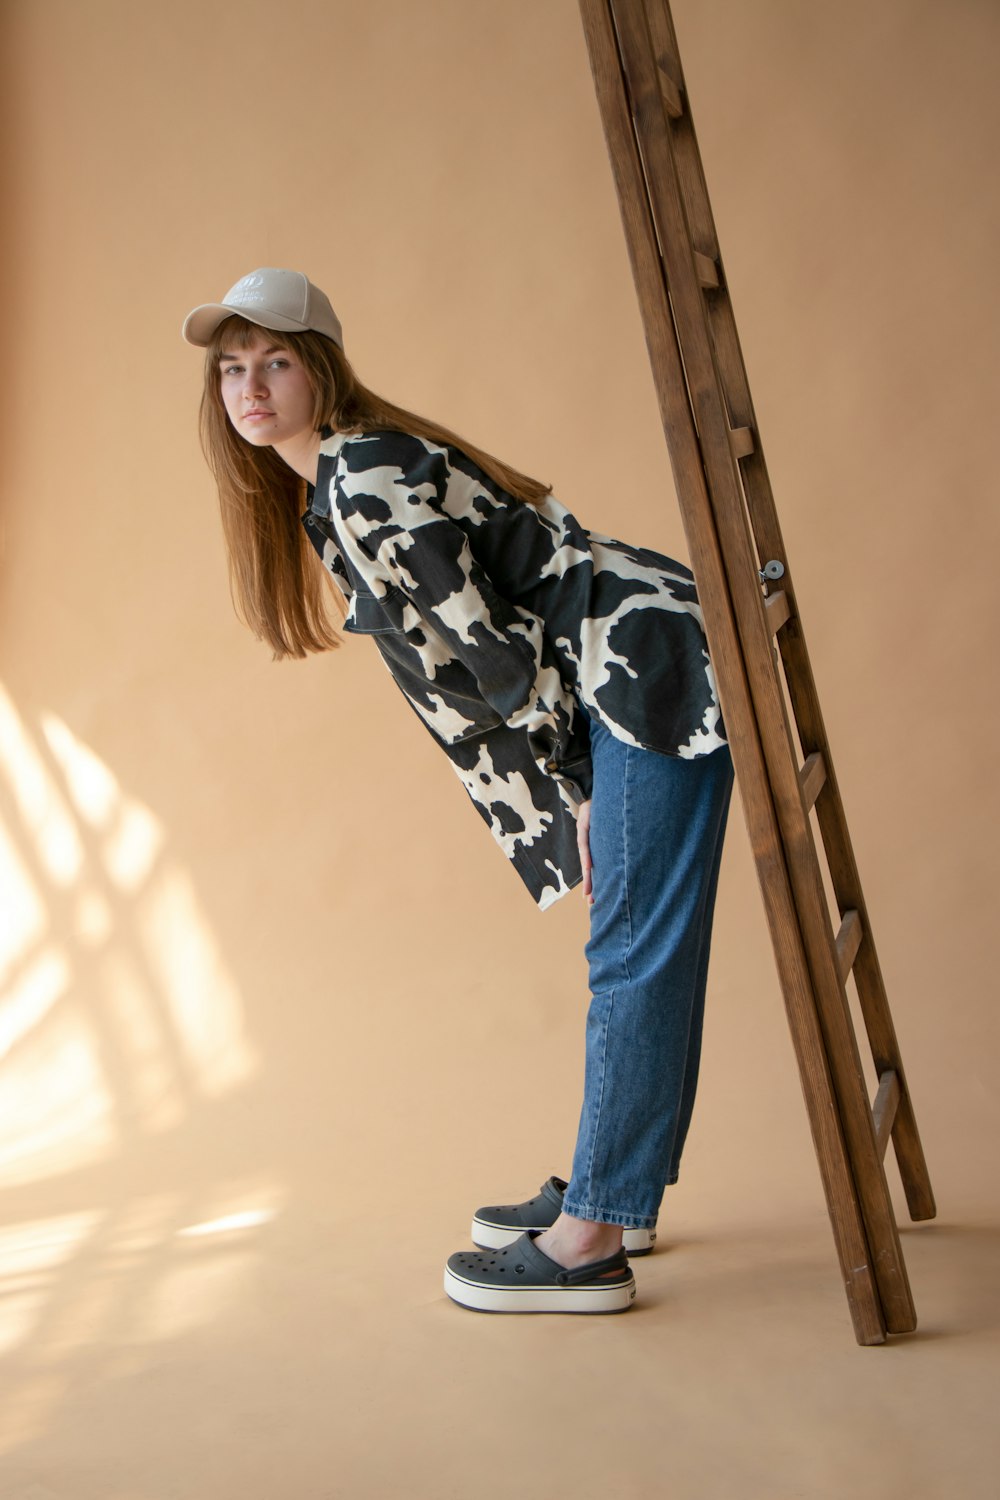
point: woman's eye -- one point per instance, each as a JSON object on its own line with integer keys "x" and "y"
{"x": 279, "y": 364}
{"x": 232, "y": 370}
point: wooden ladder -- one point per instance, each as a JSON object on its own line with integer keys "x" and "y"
{"x": 747, "y": 594}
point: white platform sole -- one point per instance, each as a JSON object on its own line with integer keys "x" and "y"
{"x": 572, "y": 1299}
{"x": 491, "y": 1237}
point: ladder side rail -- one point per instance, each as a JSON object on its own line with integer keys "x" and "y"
{"x": 802, "y": 691}
{"x": 712, "y": 421}
{"x": 830, "y": 813}
{"x": 702, "y": 384}
{"x": 846, "y": 881}
{"x": 845, "y": 1211}
{"x": 756, "y": 485}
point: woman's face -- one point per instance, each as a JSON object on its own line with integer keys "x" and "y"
{"x": 266, "y": 392}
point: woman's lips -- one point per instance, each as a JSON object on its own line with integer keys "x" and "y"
{"x": 251, "y": 416}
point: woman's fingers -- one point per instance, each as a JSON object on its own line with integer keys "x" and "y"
{"x": 583, "y": 843}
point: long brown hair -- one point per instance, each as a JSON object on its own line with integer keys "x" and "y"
{"x": 275, "y": 576}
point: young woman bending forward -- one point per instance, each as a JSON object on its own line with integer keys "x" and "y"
{"x": 566, "y": 677}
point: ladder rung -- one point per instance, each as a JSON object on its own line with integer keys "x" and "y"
{"x": 884, "y": 1108}
{"x": 812, "y": 778}
{"x": 778, "y": 610}
{"x": 848, "y": 943}
{"x": 708, "y": 273}
{"x": 741, "y": 441}
{"x": 670, "y": 93}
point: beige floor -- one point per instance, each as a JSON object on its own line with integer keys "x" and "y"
{"x": 245, "y": 1345}
{"x": 339, "y": 1371}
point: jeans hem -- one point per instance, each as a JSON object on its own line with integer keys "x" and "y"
{"x": 608, "y": 1215}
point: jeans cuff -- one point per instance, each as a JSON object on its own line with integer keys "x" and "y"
{"x": 608, "y": 1215}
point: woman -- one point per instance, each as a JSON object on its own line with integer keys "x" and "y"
{"x": 566, "y": 677}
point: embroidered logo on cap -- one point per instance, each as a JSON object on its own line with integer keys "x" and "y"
{"x": 247, "y": 290}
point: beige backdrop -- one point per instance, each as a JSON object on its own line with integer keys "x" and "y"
{"x": 275, "y": 1014}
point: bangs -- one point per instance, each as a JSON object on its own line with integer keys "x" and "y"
{"x": 239, "y": 333}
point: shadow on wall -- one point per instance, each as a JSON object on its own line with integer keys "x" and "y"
{"x": 128, "y": 1209}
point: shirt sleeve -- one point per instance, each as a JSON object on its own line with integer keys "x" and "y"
{"x": 398, "y": 535}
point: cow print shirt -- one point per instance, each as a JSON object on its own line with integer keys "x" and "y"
{"x": 499, "y": 619}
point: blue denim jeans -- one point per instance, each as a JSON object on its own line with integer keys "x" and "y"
{"x": 656, "y": 835}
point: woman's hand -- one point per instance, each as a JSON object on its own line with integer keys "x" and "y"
{"x": 583, "y": 844}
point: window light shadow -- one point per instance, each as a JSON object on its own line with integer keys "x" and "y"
{"x": 123, "y": 1049}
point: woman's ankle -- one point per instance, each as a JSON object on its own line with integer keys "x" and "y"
{"x": 584, "y": 1239}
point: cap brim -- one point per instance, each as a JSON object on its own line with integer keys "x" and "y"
{"x": 200, "y": 325}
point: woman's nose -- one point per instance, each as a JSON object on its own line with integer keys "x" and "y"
{"x": 254, "y": 384}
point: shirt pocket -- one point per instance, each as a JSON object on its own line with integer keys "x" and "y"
{"x": 368, "y": 615}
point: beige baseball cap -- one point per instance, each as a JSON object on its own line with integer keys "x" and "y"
{"x": 284, "y": 300}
